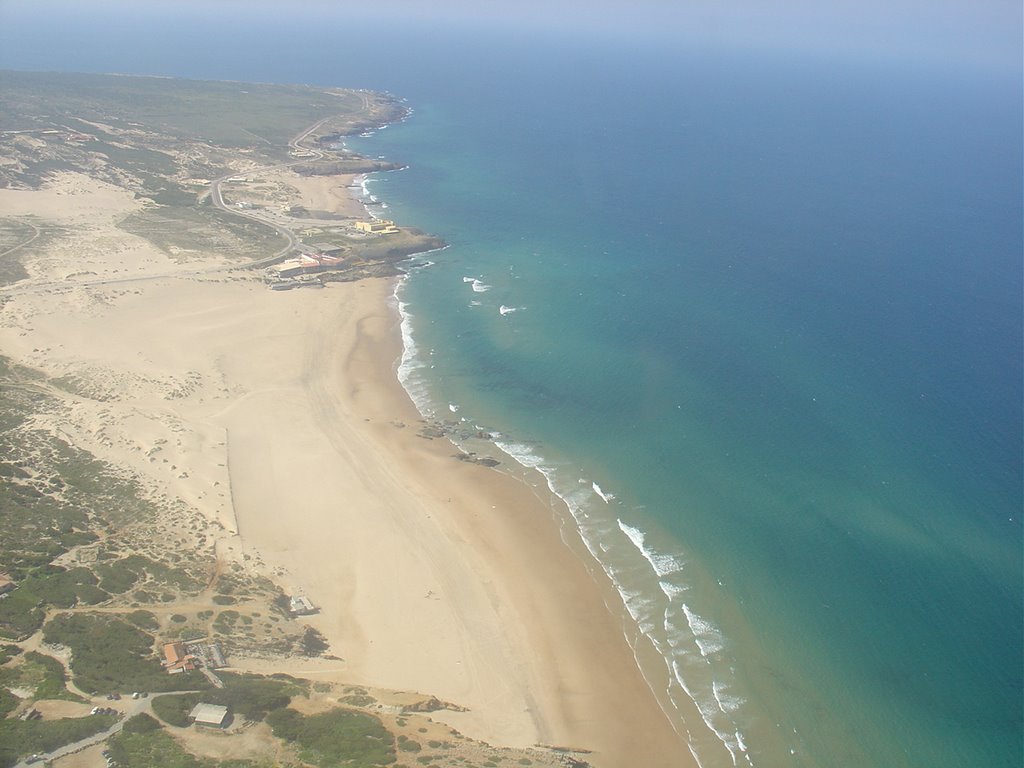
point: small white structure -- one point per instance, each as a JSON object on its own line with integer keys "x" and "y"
{"x": 211, "y": 715}
{"x": 300, "y": 605}
{"x": 377, "y": 227}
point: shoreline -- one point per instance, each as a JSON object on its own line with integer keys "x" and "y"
{"x": 280, "y": 418}
{"x": 565, "y": 562}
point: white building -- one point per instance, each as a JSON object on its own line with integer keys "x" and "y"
{"x": 210, "y": 715}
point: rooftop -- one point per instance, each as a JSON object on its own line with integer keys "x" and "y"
{"x": 209, "y": 714}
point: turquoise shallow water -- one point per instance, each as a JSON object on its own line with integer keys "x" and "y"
{"x": 781, "y": 325}
{"x": 766, "y": 343}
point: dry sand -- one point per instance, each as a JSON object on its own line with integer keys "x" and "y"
{"x": 315, "y": 193}
{"x": 280, "y": 416}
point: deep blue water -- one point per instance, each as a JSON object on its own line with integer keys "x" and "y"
{"x": 772, "y": 304}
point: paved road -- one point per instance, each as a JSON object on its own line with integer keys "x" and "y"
{"x": 135, "y": 707}
{"x": 218, "y": 200}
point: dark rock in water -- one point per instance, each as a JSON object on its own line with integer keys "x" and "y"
{"x": 472, "y": 458}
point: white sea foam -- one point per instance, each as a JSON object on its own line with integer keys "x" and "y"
{"x": 687, "y": 642}
{"x": 524, "y": 454}
{"x": 606, "y": 497}
{"x": 672, "y": 590}
{"x": 663, "y": 565}
{"x": 709, "y": 638}
{"x": 726, "y": 701}
{"x": 742, "y": 744}
{"x": 410, "y": 364}
{"x": 453, "y": 407}
{"x": 713, "y": 715}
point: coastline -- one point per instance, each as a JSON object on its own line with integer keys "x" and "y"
{"x": 432, "y": 574}
{"x": 507, "y": 531}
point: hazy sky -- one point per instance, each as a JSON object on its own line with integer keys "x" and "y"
{"x": 974, "y": 33}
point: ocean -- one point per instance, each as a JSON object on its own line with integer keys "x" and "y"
{"x": 755, "y": 317}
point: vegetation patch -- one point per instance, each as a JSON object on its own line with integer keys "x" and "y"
{"x": 20, "y": 738}
{"x": 408, "y": 745}
{"x": 179, "y": 230}
{"x": 313, "y": 642}
{"x": 109, "y": 654}
{"x": 143, "y": 743}
{"x": 250, "y": 696}
{"x": 8, "y": 702}
{"x": 43, "y": 675}
{"x": 143, "y": 620}
{"x": 116, "y": 577}
{"x": 57, "y": 498}
{"x": 8, "y": 651}
{"x": 340, "y": 737}
{"x": 143, "y": 749}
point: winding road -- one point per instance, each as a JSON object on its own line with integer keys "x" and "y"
{"x": 218, "y": 199}
{"x": 216, "y": 196}
{"x": 138, "y": 706}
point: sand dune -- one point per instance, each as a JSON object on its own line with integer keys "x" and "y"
{"x": 279, "y": 416}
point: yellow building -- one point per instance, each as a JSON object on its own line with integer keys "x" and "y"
{"x": 377, "y": 226}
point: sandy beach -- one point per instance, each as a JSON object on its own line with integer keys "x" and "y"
{"x": 279, "y": 416}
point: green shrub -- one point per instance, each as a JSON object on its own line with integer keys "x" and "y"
{"x": 22, "y": 611}
{"x": 174, "y": 710}
{"x": 49, "y": 677}
{"x": 358, "y": 700}
{"x": 77, "y": 538}
{"x": 140, "y": 723}
{"x": 88, "y": 594}
{"x": 20, "y": 615}
{"x": 115, "y": 577}
{"x": 19, "y": 738}
{"x": 149, "y": 749}
{"x": 408, "y": 745}
{"x": 143, "y": 620}
{"x": 8, "y": 702}
{"x": 109, "y": 654}
{"x": 8, "y": 652}
{"x": 250, "y": 696}
{"x": 313, "y": 642}
{"x": 336, "y": 738}
{"x": 254, "y": 697}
